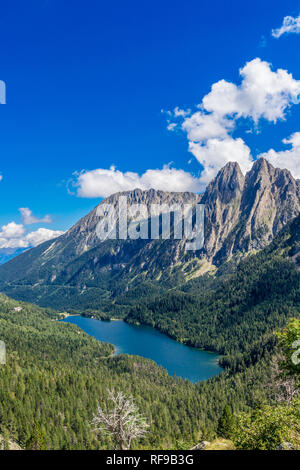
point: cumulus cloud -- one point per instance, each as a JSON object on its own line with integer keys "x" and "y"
{"x": 41, "y": 235}
{"x": 28, "y": 217}
{"x": 262, "y": 94}
{"x": 14, "y": 236}
{"x": 12, "y": 231}
{"x": 217, "y": 152}
{"x": 290, "y": 25}
{"x": 201, "y": 127}
{"x": 290, "y": 158}
{"x": 102, "y": 182}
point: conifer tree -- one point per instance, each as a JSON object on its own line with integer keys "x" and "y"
{"x": 225, "y": 423}
{"x": 37, "y": 440}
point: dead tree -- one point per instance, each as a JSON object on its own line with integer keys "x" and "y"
{"x": 282, "y": 388}
{"x": 121, "y": 420}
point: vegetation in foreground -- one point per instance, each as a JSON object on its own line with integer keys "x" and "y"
{"x": 56, "y": 374}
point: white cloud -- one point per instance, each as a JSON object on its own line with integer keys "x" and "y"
{"x": 200, "y": 126}
{"x": 215, "y": 153}
{"x": 29, "y": 218}
{"x": 102, "y": 183}
{"x": 181, "y": 112}
{"x": 12, "y": 230}
{"x": 262, "y": 94}
{"x": 41, "y": 235}
{"x": 14, "y": 235}
{"x": 1, "y": 177}
{"x": 170, "y": 179}
{"x": 289, "y": 25}
{"x": 289, "y": 159}
{"x": 172, "y": 126}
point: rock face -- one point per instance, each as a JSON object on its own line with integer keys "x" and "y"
{"x": 246, "y": 213}
{"x": 9, "y": 445}
{"x": 80, "y": 248}
{"x": 242, "y": 213}
{"x": 285, "y": 446}
{"x": 201, "y": 446}
{"x": 222, "y": 200}
{"x": 82, "y": 236}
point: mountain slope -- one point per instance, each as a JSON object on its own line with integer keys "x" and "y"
{"x": 56, "y": 374}
{"x": 78, "y": 270}
{"x": 240, "y": 308}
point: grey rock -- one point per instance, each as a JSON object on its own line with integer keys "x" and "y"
{"x": 242, "y": 213}
{"x": 285, "y": 446}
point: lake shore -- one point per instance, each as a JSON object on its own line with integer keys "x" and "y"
{"x": 140, "y": 340}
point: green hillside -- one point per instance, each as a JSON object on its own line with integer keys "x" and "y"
{"x": 234, "y": 311}
{"x": 55, "y": 374}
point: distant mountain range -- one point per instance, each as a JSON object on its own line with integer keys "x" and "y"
{"x": 77, "y": 270}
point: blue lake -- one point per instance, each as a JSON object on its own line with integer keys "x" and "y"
{"x": 180, "y": 360}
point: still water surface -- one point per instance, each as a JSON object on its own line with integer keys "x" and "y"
{"x": 180, "y": 360}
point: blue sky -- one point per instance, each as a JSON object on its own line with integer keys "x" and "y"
{"x": 86, "y": 83}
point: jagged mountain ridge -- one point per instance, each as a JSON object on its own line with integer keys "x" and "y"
{"x": 247, "y": 212}
{"x": 242, "y": 213}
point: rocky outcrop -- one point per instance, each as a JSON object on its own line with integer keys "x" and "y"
{"x": 201, "y": 445}
{"x": 222, "y": 200}
{"x": 248, "y": 212}
{"x": 7, "y": 444}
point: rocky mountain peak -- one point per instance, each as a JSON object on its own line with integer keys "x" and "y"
{"x": 241, "y": 214}
{"x": 262, "y": 165}
{"x": 271, "y": 198}
{"x": 222, "y": 200}
{"x": 226, "y": 185}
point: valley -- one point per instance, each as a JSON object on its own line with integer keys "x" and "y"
{"x": 78, "y": 272}
{"x": 227, "y": 300}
